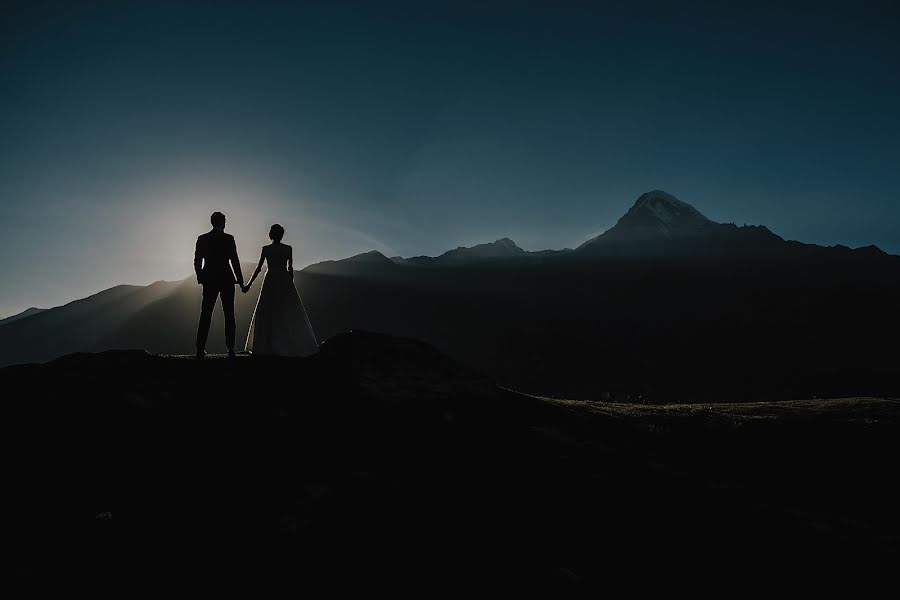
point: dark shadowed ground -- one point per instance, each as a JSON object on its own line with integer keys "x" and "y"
{"x": 380, "y": 463}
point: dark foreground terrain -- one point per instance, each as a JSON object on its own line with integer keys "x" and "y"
{"x": 379, "y": 463}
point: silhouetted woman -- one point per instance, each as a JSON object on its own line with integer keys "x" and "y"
{"x": 279, "y": 325}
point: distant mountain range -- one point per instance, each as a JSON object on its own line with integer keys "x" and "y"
{"x": 658, "y": 224}
{"x": 666, "y": 303}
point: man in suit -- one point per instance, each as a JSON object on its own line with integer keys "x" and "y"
{"x": 214, "y": 258}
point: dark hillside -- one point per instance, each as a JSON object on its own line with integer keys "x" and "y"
{"x": 380, "y": 463}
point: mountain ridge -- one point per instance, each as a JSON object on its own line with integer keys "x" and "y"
{"x": 28, "y": 312}
{"x": 657, "y": 224}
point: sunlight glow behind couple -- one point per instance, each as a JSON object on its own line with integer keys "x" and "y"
{"x": 175, "y": 212}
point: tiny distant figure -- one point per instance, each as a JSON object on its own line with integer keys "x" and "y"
{"x": 218, "y": 270}
{"x": 280, "y": 325}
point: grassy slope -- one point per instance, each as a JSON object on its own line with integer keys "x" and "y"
{"x": 737, "y": 413}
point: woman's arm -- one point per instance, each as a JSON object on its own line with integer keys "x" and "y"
{"x": 262, "y": 258}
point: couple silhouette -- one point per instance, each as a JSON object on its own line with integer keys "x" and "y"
{"x": 280, "y": 325}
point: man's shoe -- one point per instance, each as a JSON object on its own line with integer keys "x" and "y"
{"x": 231, "y": 353}
{"x": 200, "y": 354}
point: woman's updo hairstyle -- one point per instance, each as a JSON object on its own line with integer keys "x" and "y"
{"x": 276, "y": 232}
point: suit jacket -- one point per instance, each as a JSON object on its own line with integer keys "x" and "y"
{"x": 212, "y": 255}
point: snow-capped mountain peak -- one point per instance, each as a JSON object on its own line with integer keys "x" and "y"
{"x": 655, "y": 217}
{"x": 666, "y": 207}
{"x": 660, "y": 223}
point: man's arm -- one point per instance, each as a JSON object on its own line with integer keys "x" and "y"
{"x": 236, "y": 263}
{"x": 198, "y": 260}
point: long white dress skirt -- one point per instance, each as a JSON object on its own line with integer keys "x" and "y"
{"x": 280, "y": 325}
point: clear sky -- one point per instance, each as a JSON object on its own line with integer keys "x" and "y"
{"x": 414, "y": 127}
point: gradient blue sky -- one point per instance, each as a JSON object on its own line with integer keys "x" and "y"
{"x": 414, "y": 127}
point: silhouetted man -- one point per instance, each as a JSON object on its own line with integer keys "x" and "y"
{"x": 214, "y": 251}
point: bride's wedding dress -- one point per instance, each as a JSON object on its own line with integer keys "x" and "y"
{"x": 280, "y": 325}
